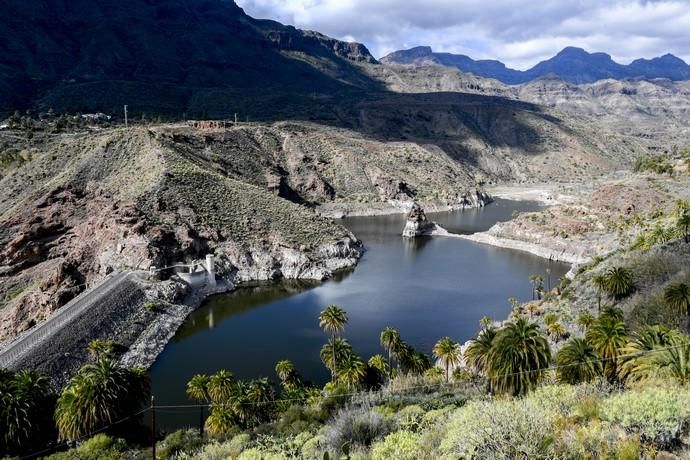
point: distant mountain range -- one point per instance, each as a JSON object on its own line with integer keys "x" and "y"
{"x": 574, "y": 65}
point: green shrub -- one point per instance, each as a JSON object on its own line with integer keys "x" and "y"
{"x": 99, "y": 447}
{"x": 500, "y": 429}
{"x": 593, "y": 440}
{"x": 402, "y": 445}
{"x": 180, "y": 441}
{"x": 256, "y": 453}
{"x": 628, "y": 449}
{"x": 238, "y": 443}
{"x": 313, "y": 448}
{"x": 659, "y": 415}
{"x": 653, "y": 163}
{"x": 436, "y": 417}
{"x": 355, "y": 427}
{"x": 410, "y": 418}
{"x": 215, "y": 451}
{"x": 512, "y": 428}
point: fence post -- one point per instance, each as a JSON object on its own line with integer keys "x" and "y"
{"x": 153, "y": 428}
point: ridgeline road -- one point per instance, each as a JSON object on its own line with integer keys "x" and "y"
{"x": 41, "y": 334}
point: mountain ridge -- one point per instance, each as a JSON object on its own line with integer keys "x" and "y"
{"x": 572, "y": 64}
{"x": 167, "y": 58}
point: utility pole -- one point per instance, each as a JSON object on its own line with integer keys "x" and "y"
{"x": 125, "y": 115}
{"x": 153, "y": 428}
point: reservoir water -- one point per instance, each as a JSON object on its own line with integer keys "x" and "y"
{"x": 427, "y": 288}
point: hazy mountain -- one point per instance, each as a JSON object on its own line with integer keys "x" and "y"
{"x": 574, "y": 65}
{"x": 161, "y": 56}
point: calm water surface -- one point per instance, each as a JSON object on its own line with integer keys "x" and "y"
{"x": 427, "y": 288}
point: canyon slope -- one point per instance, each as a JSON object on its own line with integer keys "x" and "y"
{"x": 164, "y": 58}
{"x": 333, "y": 133}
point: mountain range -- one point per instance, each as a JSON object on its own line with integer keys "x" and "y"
{"x": 163, "y": 57}
{"x": 573, "y": 65}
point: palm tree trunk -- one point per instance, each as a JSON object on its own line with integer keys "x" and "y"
{"x": 599, "y": 301}
{"x": 447, "y": 372}
{"x": 390, "y": 363}
{"x": 333, "y": 374}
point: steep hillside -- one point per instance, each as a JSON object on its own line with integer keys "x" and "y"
{"x": 652, "y": 113}
{"x": 75, "y": 207}
{"x": 572, "y": 64}
{"x": 161, "y": 57}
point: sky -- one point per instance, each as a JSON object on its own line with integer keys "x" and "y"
{"x": 519, "y": 33}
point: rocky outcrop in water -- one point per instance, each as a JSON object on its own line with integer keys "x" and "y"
{"x": 474, "y": 198}
{"x": 419, "y": 225}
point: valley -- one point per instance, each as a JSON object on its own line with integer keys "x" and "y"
{"x": 193, "y": 200}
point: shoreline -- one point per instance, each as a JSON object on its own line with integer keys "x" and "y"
{"x": 152, "y": 342}
{"x": 547, "y": 194}
{"x": 532, "y": 248}
{"x": 339, "y": 213}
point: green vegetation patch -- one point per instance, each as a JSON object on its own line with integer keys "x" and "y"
{"x": 245, "y": 213}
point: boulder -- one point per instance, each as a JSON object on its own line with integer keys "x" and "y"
{"x": 419, "y": 225}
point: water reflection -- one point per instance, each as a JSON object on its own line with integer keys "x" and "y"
{"x": 427, "y": 288}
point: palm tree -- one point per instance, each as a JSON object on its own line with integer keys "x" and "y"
{"x": 613, "y": 313}
{"x": 197, "y": 388}
{"x": 448, "y": 353}
{"x": 537, "y": 282}
{"x": 25, "y": 399}
{"x": 550, "y": 318}
{"x": 379, "y": 364}
{"x": 677, "y": 296}
{"x": 608, "y": 336}
{"x": 578, "y": 362}
{"x": 639, "y": 354}
{"x": 287, "y": 373}
{"x": 532, "y": 308}
{"x": 352, "y": 370}
{"x": 401, "y": 351}
{"x": 674, "y": 361}
{"x": 519, "y": 355}
{"x": 585, "y": 320}
{"x": 390, "y": 339}
{"x": 221, "y": 419}
{"x": 416, "y": 363}
{"x": 548, "y": 277}
{"x": 100, "y": 394}
{"x": 484, "y": 322}
{"x": 331, "y": 353}
{"x": 477, "y": 352}
{"x": 221, "y": 386}
{"x": 100, "y": 348}
{"x": 684, "y": 225}
{"x": 333, "y": 320}
{"x": 556, "y": 331}
{"x": 600, "y": 282}
{"x": 260, "y": 394}
{"x": 618, "y": 282}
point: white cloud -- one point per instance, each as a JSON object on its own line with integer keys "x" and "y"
{"x": 517, "y": 32}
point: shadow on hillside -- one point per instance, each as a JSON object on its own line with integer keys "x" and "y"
{"x": 447, "y": 120}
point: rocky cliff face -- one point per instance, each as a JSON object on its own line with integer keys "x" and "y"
{"x": 418, "y": 224}
{"x": 85, "y": 205}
